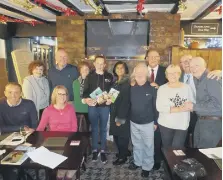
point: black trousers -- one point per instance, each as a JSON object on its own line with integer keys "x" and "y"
{"x": 86, "y": 124}
{"x": 172, "y": 137}
{"x": 122, "y": 144}
{"x": 158, "y": 156}
{"x": 40, "y": 113}
{"x": 190, "y": 133}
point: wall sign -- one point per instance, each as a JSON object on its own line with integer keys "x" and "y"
{"x": 204, "y": 28}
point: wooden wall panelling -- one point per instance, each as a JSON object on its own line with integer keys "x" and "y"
{"x": 213, "y": 57}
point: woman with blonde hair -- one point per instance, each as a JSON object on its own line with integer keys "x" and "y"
{"x": 174, "y": 118}
{"x": 59, "y": 116}
{"x": 143, "y": 116}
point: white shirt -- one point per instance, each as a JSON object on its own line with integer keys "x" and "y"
{"x": 190, "y": 82}
{"x": 20, "y": 100}
{"x": 155, "y": 69}
{"x": 168, "y": 97}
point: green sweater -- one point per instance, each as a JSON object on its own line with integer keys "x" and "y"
{"x": 79, "y": 106}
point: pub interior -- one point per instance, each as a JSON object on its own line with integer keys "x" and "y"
{"x": 110, "y": 89}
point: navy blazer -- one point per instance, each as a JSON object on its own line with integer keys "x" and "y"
{"x": 161, "y": 76}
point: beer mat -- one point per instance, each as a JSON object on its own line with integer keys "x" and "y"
{"x": 55, "y": 142}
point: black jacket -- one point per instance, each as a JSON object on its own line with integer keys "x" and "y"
{"x": 143, "y": 104}
{"x": 160, "y": 76}
{"x": 120, "y": 109}
{"x": 94, "y": 80}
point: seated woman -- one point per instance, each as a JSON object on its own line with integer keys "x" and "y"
{"x": 119, "y": 120}
{"x": 59, "y": 116}
{"x": 36, "y": 87}
{"x": 78, "y": 88}
{"x": 173, "y": 118}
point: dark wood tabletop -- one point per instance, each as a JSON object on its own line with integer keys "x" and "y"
{"x": 74, "y": 153}
{"x": 170, "y": 159}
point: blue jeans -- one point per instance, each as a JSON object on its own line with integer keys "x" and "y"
{"x": 207, "y": 133}
{"x": 98, "y": 116}
{"x": 142, "y": 136}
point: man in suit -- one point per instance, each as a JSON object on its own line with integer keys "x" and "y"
{"x": 187, "y": 78}
{"x": 158, "y": 78}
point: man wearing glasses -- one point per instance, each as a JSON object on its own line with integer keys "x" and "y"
{"x": 188, "y": 78}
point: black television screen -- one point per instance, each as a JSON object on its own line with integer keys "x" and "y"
{"x": 117, "y": 39}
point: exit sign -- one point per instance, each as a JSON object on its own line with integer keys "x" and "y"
{"x": 204, "y": 28}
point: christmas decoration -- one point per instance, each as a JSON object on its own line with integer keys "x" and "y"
{"x": 26, "y": 4}
{"x": 4, "y": 20}
{"x": 140, "y": 6}
{"x": 66, "y": 11}
{"x": 219, "y": 10}
{"x": 98, "y": 9}
{"x": 182, "y": 6}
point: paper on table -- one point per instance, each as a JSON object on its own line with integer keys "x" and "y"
{"x": 213, "y": 153}
{"x": 45, "y": 157}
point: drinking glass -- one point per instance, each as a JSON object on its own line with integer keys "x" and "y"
{"x": 23, "y": 133}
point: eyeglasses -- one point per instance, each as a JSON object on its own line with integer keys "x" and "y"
{"x": 60, "y": 94}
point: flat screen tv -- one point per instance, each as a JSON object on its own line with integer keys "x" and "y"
{"x": 117, "y": 39}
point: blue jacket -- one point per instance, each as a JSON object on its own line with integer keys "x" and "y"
{"x": 64, "y": 77}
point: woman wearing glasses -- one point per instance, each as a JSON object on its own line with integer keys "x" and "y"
{"x": 59, "y": 116}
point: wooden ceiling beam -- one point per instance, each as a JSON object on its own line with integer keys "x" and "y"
{"x": 50, "y": 10}
{"x": 146, "y": 2}
{"x": 175, "y": 8}
{"x": 8, "y": 8}
{"x": 72, "y": 6}
{"x": 207, "y": 11}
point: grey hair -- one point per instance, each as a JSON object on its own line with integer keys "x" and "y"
{"x": 144, "y": 68}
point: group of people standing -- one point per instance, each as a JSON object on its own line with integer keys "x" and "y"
{"x": 156, "y": 106}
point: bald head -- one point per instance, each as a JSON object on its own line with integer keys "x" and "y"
{"x": 185, "y": 63}
{"x": 61, "y": 57}
{"x": 197, "y": 66}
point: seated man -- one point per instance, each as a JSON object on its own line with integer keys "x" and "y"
{"x": 16, "y": 112}
{"x": 208, "y": 107}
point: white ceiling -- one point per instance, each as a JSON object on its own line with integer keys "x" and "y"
{"x": 37, "y": 11}
{"x": 194, "y": 8}
{"x": 132, "y": 8}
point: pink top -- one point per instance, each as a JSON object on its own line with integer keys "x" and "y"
{"x": 59, "y": 120}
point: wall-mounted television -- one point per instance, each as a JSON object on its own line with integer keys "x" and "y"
{"x": 117, "y": 39}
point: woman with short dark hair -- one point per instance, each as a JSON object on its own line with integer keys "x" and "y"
{"x": 78, "y": 88}
{"x": 36, "y": 87}
{"x": 119, "y": 121}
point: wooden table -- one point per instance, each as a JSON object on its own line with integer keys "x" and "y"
{"x": 170, "y": 159}
{"x": 75, "y": 154}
